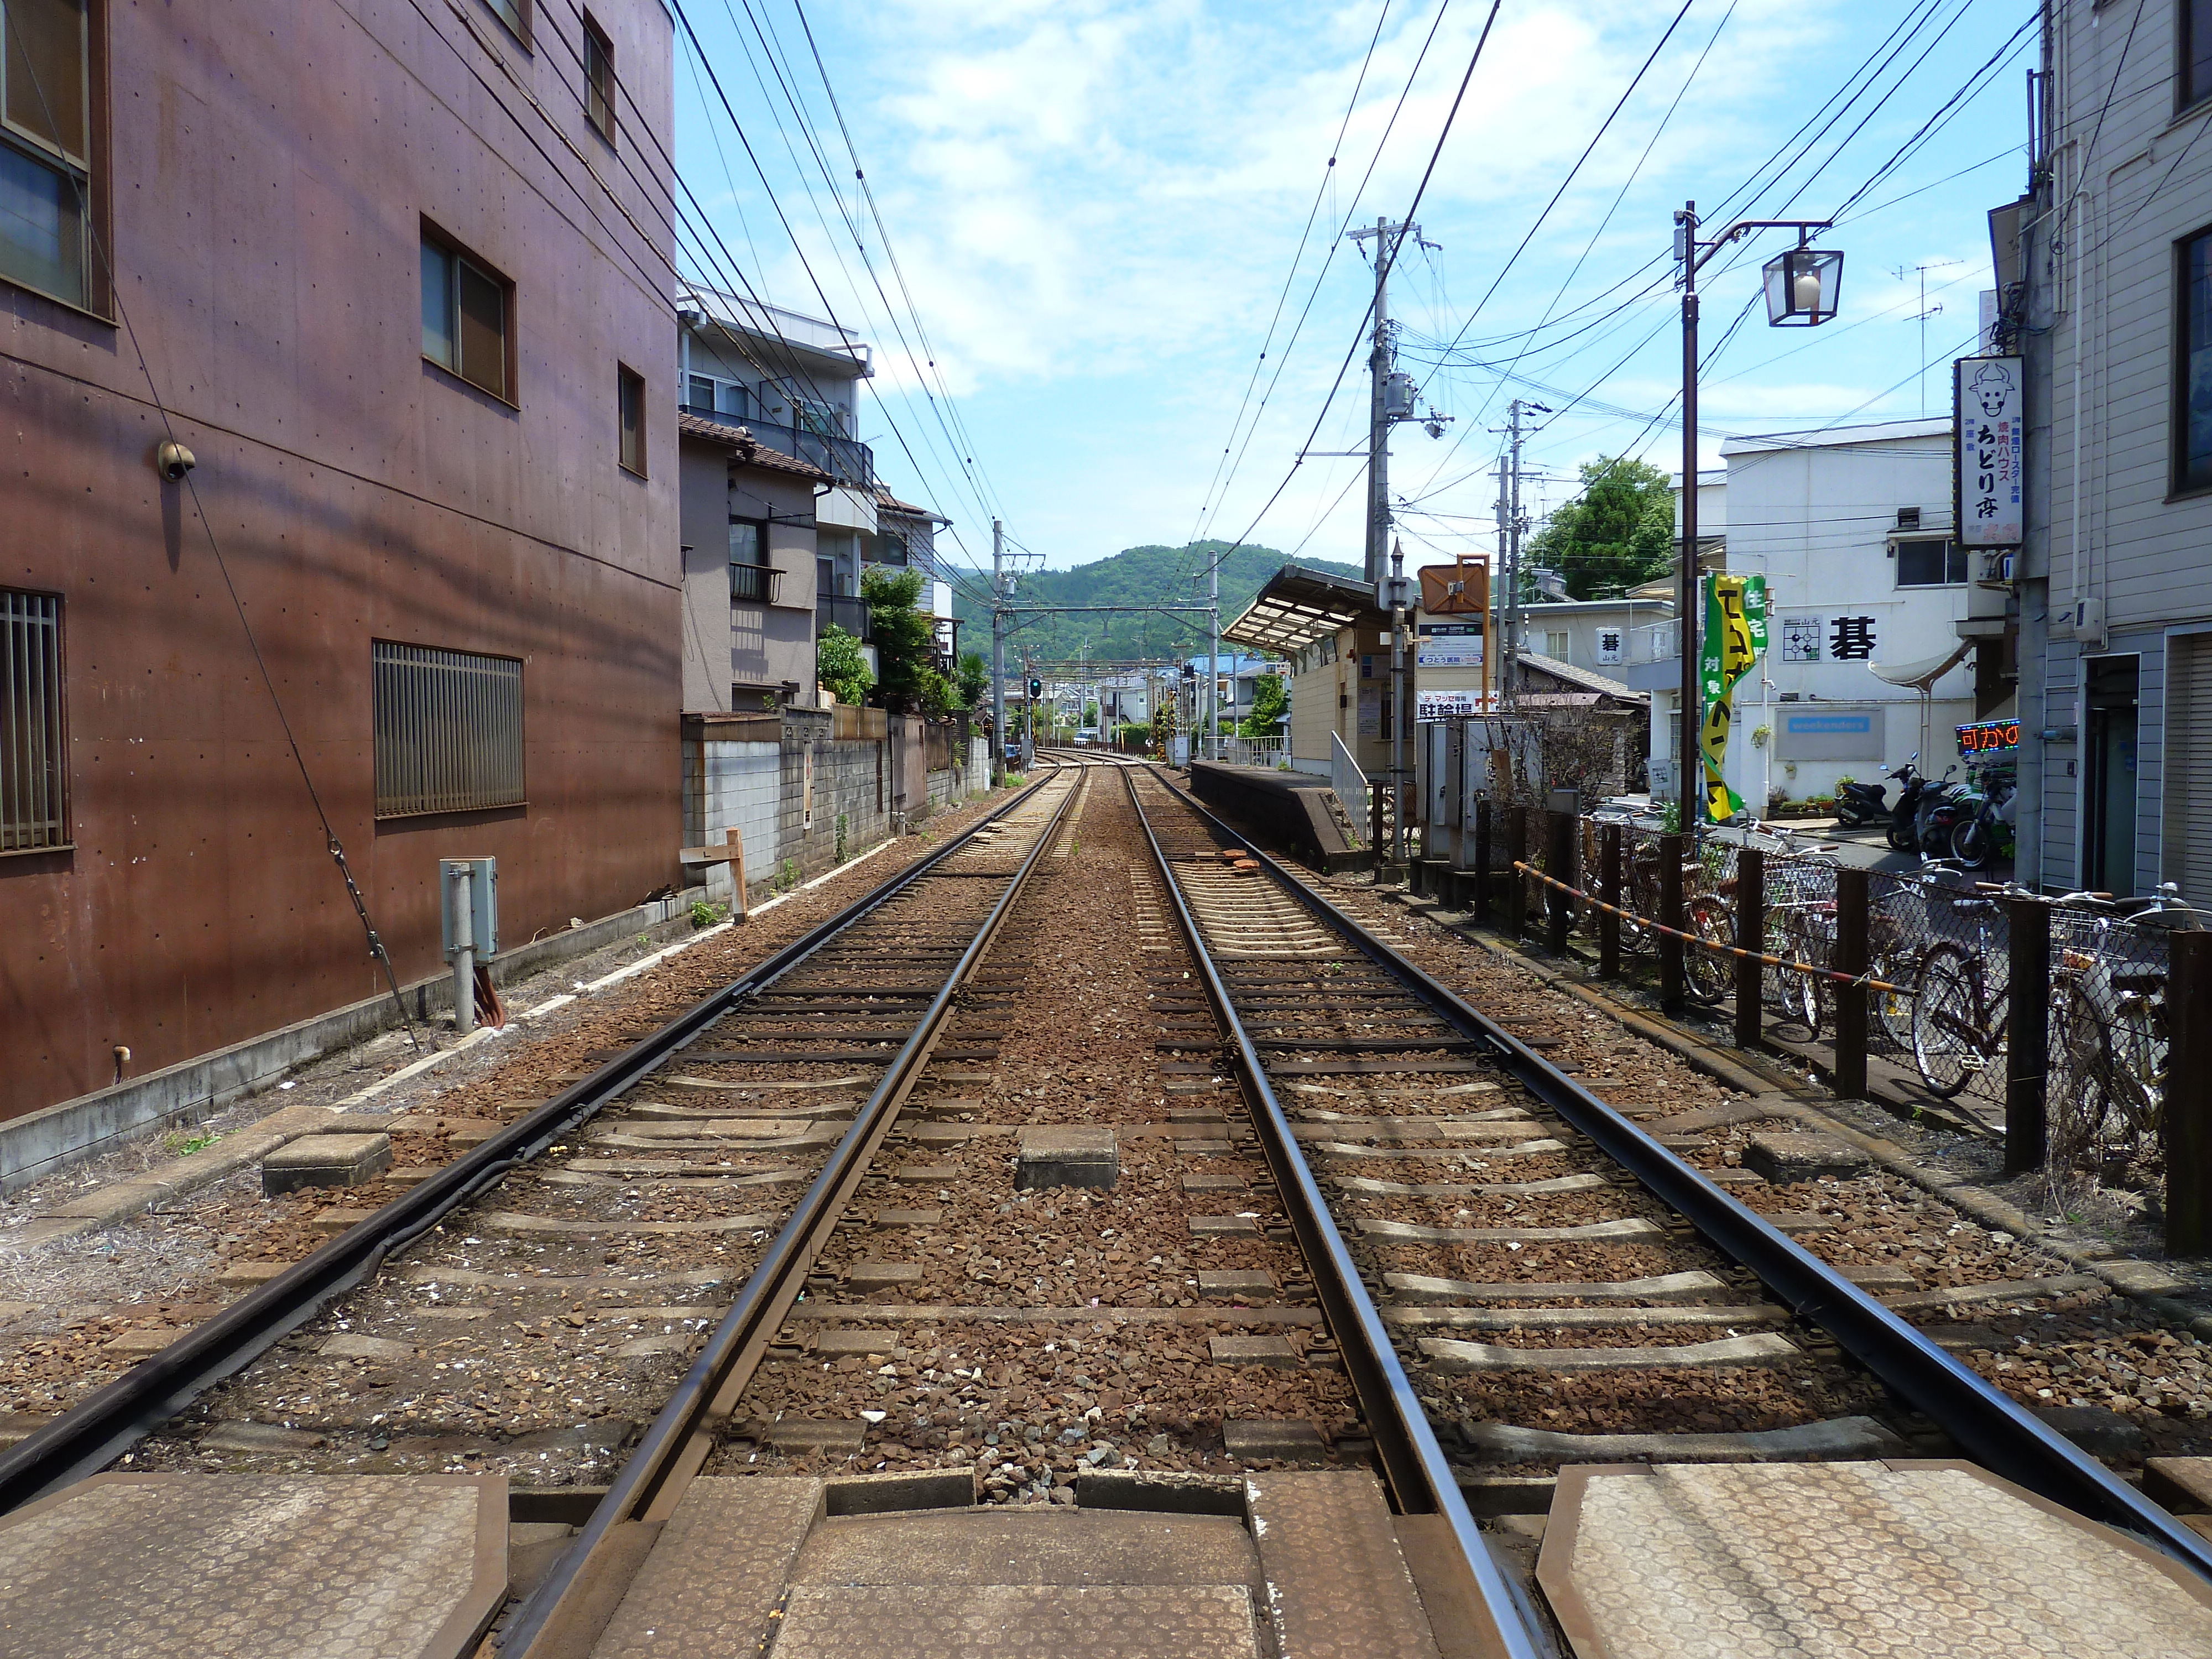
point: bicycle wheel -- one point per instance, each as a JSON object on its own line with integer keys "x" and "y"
{"x": 1707, "y": 975}
{"x": 1948, "y": 1039}
{"x": 2079, "y": 1106}
{"x": 1811, "y": 996}
{"x": 2136, "y": 1043}
{"x": 1889, "y": 1013}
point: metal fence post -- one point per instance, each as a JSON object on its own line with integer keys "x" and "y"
{"x": 1482, "y": 862}
{"x": 1516, "y": 885}
{"x": 1750, "y": 937}
{"x": 1563, "y": 864}
{"x": 1851, "y": 1067}
{"x": 1671, "y": 996}
{"x": 2028, "y": 1033}
{"x": 1608, "y": 924}
{"x": 2187, "y": 1120}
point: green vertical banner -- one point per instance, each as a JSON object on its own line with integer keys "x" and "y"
{"x": 1735, "y": 634}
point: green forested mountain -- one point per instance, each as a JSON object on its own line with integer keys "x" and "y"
{"x": 1135, "y": 575}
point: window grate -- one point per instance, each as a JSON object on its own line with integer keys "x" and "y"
{"x": 448, "y": 731}
{"x": 33, "y": 766}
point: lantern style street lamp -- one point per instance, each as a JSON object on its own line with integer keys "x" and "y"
{"x": 1802, "y": 289}
{"x": 1801, "y": 286}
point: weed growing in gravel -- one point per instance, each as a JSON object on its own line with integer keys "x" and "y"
{"x": 184, "y": 1146}
{"x": 704, "y": 915}
{"x": 840, "y": 837}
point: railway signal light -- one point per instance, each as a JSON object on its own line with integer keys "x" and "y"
{"x": 1036, "y": 689}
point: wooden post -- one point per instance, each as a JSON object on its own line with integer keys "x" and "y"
{"x": 1482, "y": 816}
{"x": 1561, "y": 865}
{"x": 1750, "y": 936}
{"x": 1516, "y": 885}
{"x": 736, "y": 839}
{"x": 2186, "y": 1122}
{"x": 1608, "y": 924}
{"x": 2028, "y": 1033}
{"x": 732, "y": 853}
{"x": 1671, "y": 994}
{"x": 1850, "y": 1068}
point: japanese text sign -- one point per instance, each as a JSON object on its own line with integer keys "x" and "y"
{"x": 1992, "y": 416}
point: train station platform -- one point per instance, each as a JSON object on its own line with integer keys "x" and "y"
{"x": 1285, "y": 811}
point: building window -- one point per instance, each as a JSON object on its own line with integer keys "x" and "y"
{"x": 1555, "y": 645}
{"x": 448, "y": 731}
{"x": 706, "y": 395}
{"x": 33, "y": 760}
{"x": 46, "y": 168}
{"x": 515, "y": 13}
{"x": 630, "y": 397}
{"x": 2194, "y": 58}
{"x": 466, "y": 313}
{"x": 599, "y": 79}
{"x": 753, "y": 578}
{"x": 2192, "y": 437}
{"x": 1931, "y": 564}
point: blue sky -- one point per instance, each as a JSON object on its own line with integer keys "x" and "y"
{"x": 1097, "y": 208}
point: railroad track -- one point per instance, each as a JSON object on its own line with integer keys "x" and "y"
{"x": 597, "y": 1236}
{"x": 1562, "y": 1285}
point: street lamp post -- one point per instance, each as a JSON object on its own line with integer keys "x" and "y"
{"x": 1802, "y": 289}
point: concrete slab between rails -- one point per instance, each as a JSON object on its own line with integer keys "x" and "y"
{"x": 259, "y": 1566}
{"x": 1936, "y": 1559}
{"x": 42, "y": 1143}
{"x": 1836, "y": 1439}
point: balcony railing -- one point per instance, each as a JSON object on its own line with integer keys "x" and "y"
{"x": 754, "y": 584}
{"x": 846, "y": 459}
{"x": 849, "y": 614}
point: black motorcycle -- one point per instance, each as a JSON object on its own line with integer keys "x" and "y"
{"x": 1860, "y": 803}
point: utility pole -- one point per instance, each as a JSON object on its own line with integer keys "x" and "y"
{"x": 1513, "y": 525}
{"x": 998, "y": 653}
{"x": 1213, "y": 658}
{"x": 1390, "y": 400}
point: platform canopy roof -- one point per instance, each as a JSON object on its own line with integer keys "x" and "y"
{"x": 1297, "y": 607}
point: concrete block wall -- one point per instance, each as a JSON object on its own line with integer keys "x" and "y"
{"x": 732, "y": 785}
{"x": 851, "y": 780}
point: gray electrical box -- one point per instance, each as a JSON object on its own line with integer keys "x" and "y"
{"x": 484, "y": 903}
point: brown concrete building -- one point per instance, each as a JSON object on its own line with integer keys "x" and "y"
{"x": 400, "y": 274}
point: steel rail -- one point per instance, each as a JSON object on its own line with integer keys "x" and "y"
{"x": 1986, "y": 1422}
{"x": 1418, "y": 1475}
{"x": 564, "y": 1614}
{"x": 84, "y": 1439}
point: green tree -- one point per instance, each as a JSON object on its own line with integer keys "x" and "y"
{"x": 1270, "y": 701}
{"x": 839, "y": 664}
{"x": 974, "y": 675}
{"x": 1618, "y": 534}
{"x": 905, "y": 639}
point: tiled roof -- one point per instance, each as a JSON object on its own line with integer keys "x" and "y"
{"x": 885, "y": 499}
{"x": 1567, "y": 674}
{"x": 748, "y": 449}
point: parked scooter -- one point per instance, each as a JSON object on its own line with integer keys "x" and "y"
{"x": 1943, "y": 803}
{"x": 1903, "y": 830}
{"x": 1860, "y": 803}
{"x": 1985, "y": 833}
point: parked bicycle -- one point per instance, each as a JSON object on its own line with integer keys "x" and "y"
{"x": 2109, "y": 1031}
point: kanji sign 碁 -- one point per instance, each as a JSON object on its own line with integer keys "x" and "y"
{"x": 1990, "y": 439}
